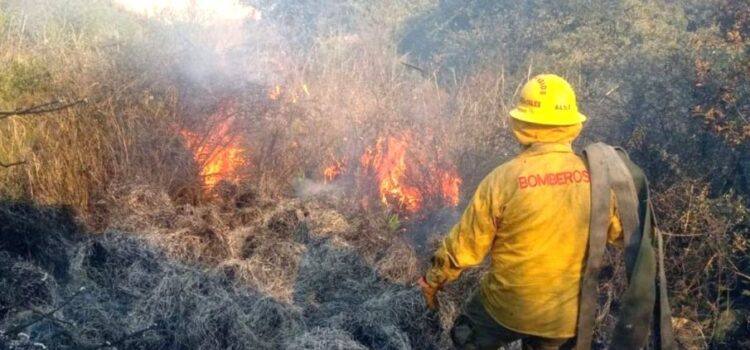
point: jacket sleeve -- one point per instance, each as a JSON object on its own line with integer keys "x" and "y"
{"x": 469, "y": 241}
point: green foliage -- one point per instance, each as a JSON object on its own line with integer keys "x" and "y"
{"x": 63, "y": 22}
{"x": 3, "y": 20}
{"x": 728, "y": 322}
{"x": 393, "y": 222}
{"x": 668, "y": 80}
{"x": 311, "y": 21}
{"x": 633, "y": 64}
{"x": 22, "y": 78}
{"x": 56, "y": 51}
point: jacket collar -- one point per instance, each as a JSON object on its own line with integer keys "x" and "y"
{"x": 542, "y": 148}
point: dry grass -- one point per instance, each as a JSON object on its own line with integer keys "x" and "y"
{"x": 277, "y": 283}
{"x": 199, "y": 273}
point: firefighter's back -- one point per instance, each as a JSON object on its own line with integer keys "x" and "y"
{"x": 537, "y": 257}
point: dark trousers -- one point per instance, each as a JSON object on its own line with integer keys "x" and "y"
{"x": 475, "y": 329}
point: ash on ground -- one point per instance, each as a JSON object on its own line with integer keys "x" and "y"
{"x": 246, "y": 273}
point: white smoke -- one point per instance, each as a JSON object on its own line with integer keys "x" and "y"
{"x": 205, "y": 12}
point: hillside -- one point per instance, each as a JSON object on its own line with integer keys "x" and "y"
{"x": 276, "y": 174}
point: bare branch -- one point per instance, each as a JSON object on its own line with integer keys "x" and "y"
{"x": 415, "y": 67}
{"x": 48, "y": 107}
{"x": 47, "y": 315}
{"x": 8, "y": 165}
{"x": 126, "y": 337}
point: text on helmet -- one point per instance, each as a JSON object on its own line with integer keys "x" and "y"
{"x": 530, "y": 103}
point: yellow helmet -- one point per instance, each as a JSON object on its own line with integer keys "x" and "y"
{"x": 548, "y": 99}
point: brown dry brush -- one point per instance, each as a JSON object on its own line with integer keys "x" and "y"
{"x": 219, "y": 267}
{"x": 71, "y": 155}
{"x": 707, "y": 257}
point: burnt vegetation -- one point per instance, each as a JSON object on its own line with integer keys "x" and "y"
{"x": 278, "y": 182}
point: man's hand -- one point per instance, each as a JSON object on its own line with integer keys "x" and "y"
{"x": 430, "y": 294}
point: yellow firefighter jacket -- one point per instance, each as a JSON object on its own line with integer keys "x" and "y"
{"x": 531, "y": 215}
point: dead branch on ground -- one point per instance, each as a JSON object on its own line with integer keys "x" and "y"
{"x": 9, "y": 165}
{"x": 46, "y": 315}
{"x": 52, "y": 106}
{"x": 133, "y": 335}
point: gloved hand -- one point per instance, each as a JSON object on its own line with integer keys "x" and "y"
{"x": 430, "y": 294}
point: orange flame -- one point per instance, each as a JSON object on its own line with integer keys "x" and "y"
{"x": 332, "y": 172}
{"x": 451, "y": 185}
{"x": 402, "y": 185}
{"x": 292, "y": 95}
{"x": 275, "y": 93}
{"x": 219, "y": 154}
{"x": 387, "y": 160}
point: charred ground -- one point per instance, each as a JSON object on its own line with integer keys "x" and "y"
{"x": 291, "y": 275}
{"x": 297, "y": 241}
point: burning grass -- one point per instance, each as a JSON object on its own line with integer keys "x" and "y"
{"x": 218, "y": 151}
{"x": 407, "y": 178}
{"x": 188, "y": 157}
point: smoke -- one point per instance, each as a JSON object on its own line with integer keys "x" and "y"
{"x": 204, "y": 12}
{"x": 314, "y": 82}
{"x": 223, "y": 43}
{"x": 306, "y": 188}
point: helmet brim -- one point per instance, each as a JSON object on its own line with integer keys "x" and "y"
{"x": 519, "y": 114}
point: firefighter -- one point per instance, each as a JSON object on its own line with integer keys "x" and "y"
{"x": 531, "y": 215}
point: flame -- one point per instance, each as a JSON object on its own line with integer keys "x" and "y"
{"x": 387, "y": 161}
{"x": 219, "y": 154}
{"x": 451, "y": 185}
{"x": 275, "y": 93}
{"x": 332, "y": 172}
{"x": 401, "y": 184}
{"x": 293, "y": 94}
